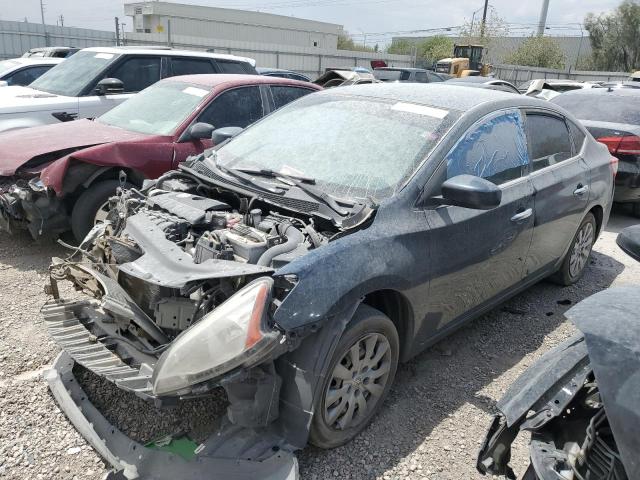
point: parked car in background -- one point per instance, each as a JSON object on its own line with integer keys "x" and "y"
{"x": 343, "y": 78}
{"x": 558, "y": 85}
{"x": 23, "y": 71}
{"x": 613, "y": 118}
{"x": 57, "y": 177}
{"x": 95, "y": 80}
{"x": 410, "y": 75}
{"x": 55, "y": 52}
{"x": 484, "y": 82}
{"x": 580, "y": 402}
{"x": 297, "y": 264}
{"x": 278, "y": 72}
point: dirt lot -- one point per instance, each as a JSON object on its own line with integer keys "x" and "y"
{"x": 431, "y": 426}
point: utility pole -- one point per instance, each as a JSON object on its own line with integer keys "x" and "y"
{"x": 542, "y": 22}
{"x": 61, "y": 18}
{"x": 46, "y": 35}
{"x": 484, "y": 18}
{"x": 117, "y": 32}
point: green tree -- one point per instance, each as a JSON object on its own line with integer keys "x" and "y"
{"x": 615, "y": 37}
{"x": 400, "y": 47}
{"x": 434, "y": 49}
{"x": 345, "y": 42}
{"x": 538, "y": 52}
{"x": 494, "y": 29}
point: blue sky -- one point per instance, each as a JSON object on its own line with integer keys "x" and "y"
{"x": 357, "y": 16}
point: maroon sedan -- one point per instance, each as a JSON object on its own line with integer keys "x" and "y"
{"x": 59, "y": 177}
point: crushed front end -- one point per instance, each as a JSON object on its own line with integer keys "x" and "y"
{"x": 179, "y": 290}
{"x": 27, "y": 204}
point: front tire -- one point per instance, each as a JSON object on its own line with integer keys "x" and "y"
{"x": 358, "y": 380}
{"x": 579, "y": 252}
{"x": 91, "y": 206}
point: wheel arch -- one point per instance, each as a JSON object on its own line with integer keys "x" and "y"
{"x": 598, "y": 213}
{"x": 398, "y": 308}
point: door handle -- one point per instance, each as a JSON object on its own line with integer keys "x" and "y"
{"x": 581, "y": 190}
{"x": 518, "y": 217}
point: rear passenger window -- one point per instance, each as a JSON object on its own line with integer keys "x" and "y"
{"x": 231, "y": 67}
{"x": 190, "y": 66}
{"x": 421, "y": 77}
{"x": 578, "y": 136}
{"x": 549, "y": 140}
{"x": 137, "y": 73}
{"x": 239, "y": 107}
{"x": 495, "y": 149}
{"x": 284, "y": 95}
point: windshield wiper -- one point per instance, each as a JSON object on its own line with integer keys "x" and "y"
{"x": 243, "y": 177}
{"x": 272, "y": 173}
{"x": 306, "y": 185}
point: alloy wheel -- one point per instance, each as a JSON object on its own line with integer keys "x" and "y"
{"x": 102, "y": 213}
{"x": 357, "y": 382}
{"x": 581, "y": 249}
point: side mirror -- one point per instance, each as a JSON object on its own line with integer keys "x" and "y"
{"x": 629, "y": 241}
{"x": 200, "y": 131}
{"x": 109, "y": 86}
{"x": 223, "y": 134}
{"x": 470, "y": 191}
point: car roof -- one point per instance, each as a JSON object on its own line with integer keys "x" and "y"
{"x": 436, "y": 94}
{"x": 405, "y": 69}
{"x": 212, "y": 80}
{"x": 37, "y": 60}
{"x": 473, "y": 79}
{"x": 618, "y": 92}
{"x": 269, "y": 69}
{"x": 167, "y": 51}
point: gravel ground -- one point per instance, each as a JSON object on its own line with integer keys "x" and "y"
{"x": 431, "y": 426}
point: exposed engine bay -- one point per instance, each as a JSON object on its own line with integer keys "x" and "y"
{"x": 166, "y": 259}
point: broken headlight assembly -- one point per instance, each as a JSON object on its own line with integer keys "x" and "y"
{"x": 235, "y": 334}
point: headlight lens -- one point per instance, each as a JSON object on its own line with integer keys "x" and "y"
{"x": 36, "y": 184}
{"x": 232, "y": 335}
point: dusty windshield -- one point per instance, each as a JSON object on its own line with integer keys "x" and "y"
{"x": 354, "y": 147}
{"x": 74, "y": 74}
{"x": 157, "y": 110}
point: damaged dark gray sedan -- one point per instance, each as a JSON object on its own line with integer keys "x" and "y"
{"x": 297, "y": 264}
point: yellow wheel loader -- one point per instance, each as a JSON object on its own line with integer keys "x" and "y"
{"x": 466, "y": 62}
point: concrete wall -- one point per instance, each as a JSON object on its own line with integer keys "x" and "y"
{"x": 18, "y": 37}
{"x": 517, "y": 74}
{"x": 231, "y": 24}
{"x": 308, "y": 60}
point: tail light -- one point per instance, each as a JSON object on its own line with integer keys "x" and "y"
{"x": 625, "y": 145}
{"x": 629, "y": 146}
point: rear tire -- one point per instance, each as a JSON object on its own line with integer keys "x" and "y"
{"x": 354, "y": 388}
{"x": 579, "y": 253}
{"x": 89, "y": 203}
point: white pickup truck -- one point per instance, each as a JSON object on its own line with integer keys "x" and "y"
{"x": 95, "y": 80}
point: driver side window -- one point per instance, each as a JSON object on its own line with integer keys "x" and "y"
{"x": 495, "y": 148}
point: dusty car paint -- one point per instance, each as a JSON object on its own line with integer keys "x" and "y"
{"x": 394, "y": 254}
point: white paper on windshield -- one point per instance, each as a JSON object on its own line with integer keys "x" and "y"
{"x": 420, "y": 110}
{"x": 198, "y": 92}
{"x": 106, "y": 56}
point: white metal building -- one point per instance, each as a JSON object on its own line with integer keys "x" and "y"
{"x": 229, "y": 24}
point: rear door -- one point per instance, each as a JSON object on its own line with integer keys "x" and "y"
{"x": 561, "y": 183}
{"x": 477, "y": 255}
